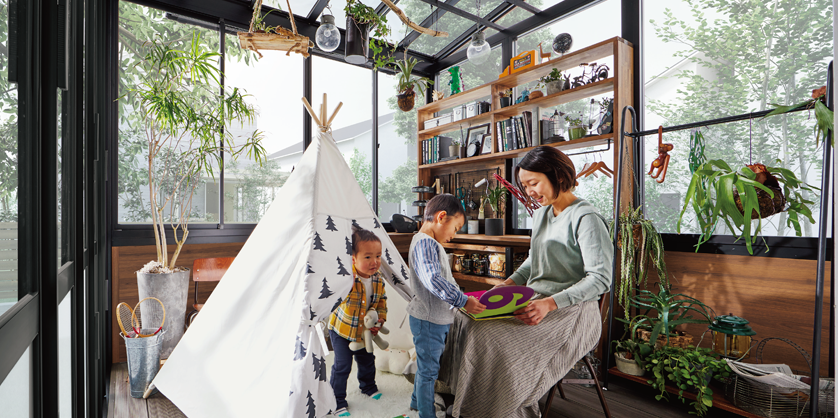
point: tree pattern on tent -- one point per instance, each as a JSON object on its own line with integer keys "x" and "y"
{"x": 348, "y": 246}
{"x": 319, "y": 367}
{"x": 325, "y": 292}
{"x": 311, "y": 411}
{"x": 355, "y": 225}
{"x": 404, "y": 273}
{"x": 330, "y": 224}
{"x": 308, "y": 269}
{"x": 342, "y": 270}
{"x": 396, "y": 280}
{"x": 311, "y": 314}
{"x": 299, "y": 350}
{"x": 375, "y": 221}
{"x": 337, "y": 304}
{"x": 387, "y": 255}
{"x": 318, "y": 242}
{"x": 322, "y": 370}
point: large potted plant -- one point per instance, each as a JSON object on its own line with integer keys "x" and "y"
{"x": 641, "y": 247}
{"x": 407, "y": 82}
{"x": 660, "y": 315}
{"x": 688, "y": 369}
{"x": 496, "y": 197}
{"x": 185, "y": 124}
{"x": 718, "y": 192}
{"x": 365, "y": 29}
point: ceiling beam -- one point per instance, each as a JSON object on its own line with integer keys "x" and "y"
{"x": 382, "y": 8}
{"x": 318, "y": 8}
{"x": 524, "y": 5}
{"x": 527, "y": 25}
{"x": 427, "y": 23}
{"x": 465, "y": 14}
{"x": 500, "y": 11}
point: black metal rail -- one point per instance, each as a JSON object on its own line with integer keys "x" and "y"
{"x": 822, "y": 231}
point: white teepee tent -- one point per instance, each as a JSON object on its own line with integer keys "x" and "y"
{"x": 254, "y": 351}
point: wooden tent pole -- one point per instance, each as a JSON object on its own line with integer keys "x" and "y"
{"x": 311, "y": 112}
{"x": 329, "y": 123}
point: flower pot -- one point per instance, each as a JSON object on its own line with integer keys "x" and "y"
{"x": 682, "y": 340}
{"x": 554, "y": 87}
{"x": 505, "y": 101}
{"x": 172, "y": 289}
{"x": 406, "y": 100}
{"x": 454, "y": 150}
{"x": 357, "y": 42}
{"x": 767, "y": 205}
{"x": 494, "y": 226}
{"x": 629, "y": 367}
{"x": 577, "y": 132}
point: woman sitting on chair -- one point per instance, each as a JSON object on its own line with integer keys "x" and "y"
{"x": 502, "y": 368}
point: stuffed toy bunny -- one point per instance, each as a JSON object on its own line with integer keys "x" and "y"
{"x": 371, "y": 321}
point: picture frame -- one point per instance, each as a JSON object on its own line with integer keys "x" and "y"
{"x": 475, "y": 134}
{"x": 487, "y": 144}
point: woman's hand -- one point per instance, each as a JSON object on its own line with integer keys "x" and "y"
{"x": 536, "y": 310}
{"x": 473, "y": 306}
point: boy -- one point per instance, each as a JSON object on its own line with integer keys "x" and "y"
{"x": 345, "y": 323}
{"x": 431, "y": 310}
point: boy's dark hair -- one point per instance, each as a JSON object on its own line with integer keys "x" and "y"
{"x": 362, "y": 235}
{"x": 553, "y": 163}
{"x": 440, "y": 202}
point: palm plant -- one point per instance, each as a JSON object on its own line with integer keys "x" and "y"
{"x": 185, "y": 124}
{"x": 641, "y": 246}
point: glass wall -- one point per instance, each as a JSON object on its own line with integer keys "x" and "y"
{"x": 397, "y": 168}
{"x": 16, "y": 389}
{"x": 352, "y": 127}
{"x": 8, "y": 174}
{"x": 697, "y": 67}
{"x": 274, "y": 84}
{"x": 139, "y": 25}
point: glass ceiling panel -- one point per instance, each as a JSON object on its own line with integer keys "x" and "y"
{"x": 337, "y": 10}
{"x": 416, "y": 10}
{"x": 299, "y": 7}
{"x": 449, "y": 22}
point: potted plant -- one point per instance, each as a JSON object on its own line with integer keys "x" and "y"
{"x": 641, "y": 246}
{"x": 496, "y": 197}
{"x": 688, "y": 369}
{"x": 505, "y": 97}
{"x": 576, "y": 129}
{"x": 406, "y": 97}
{"x": 716, "y": 192}
{"x": 661, "y": 313}
{"x": 454, "y": 148}
{"x": 554, "y": 82}
{"x": 360, "y": 21}
{"x": 629, "y": 356}
{"x": 186, "y": 127}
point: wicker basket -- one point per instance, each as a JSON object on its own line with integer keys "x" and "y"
{"x": 680, "y": 341}
{"x": 774, "y": 401}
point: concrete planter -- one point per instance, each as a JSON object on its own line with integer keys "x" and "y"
{"x": 172, "y": 289}
{"x": 629, "y": 367}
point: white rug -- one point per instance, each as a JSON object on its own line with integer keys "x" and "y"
{"x": 395, "y": 395}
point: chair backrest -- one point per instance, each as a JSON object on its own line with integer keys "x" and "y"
{"x": 210, "y": 269}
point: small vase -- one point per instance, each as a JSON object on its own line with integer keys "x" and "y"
{"x": 505, "y": 101}
{"x": 494, "y": 226}
{"x": 406, "y": 100}
{"x": 576, "y": 132}
{"x": 454, "y": 150}
{"x": 554, "y": 87}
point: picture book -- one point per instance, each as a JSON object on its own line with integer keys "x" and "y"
{"x": 501, "y": 302}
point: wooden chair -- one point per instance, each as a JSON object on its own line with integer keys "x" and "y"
{"x": 594, "y": 381}
{"x": 206, "y": 270}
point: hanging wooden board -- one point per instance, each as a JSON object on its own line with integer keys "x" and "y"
{"x": 277, "y": 39}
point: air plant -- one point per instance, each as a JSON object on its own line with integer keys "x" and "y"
{"x": 824, "y": 116}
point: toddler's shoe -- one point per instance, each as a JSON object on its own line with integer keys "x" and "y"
{"x": 342, "y": 412}
{"x": 376, "y": 395}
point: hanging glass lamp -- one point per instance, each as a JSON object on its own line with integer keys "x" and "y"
{"x": 327, "y": 36}
{"x": 478, "y": 50}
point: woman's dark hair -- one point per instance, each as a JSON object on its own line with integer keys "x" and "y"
{"x": 553, "y": 163}
{"x": 440, "y": 202}
{"x": 362, "y": 235}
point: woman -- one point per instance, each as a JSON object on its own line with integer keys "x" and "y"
{"x": 502, "y": 368}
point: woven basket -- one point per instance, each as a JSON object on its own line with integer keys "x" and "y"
{"x": 774, "y": 401}
{"x": 680, "y": 341}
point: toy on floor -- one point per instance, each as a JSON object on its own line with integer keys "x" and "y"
{"x": 391, "y": 360}
{"x": 370, "y": 321}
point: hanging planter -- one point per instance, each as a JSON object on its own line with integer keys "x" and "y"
{"x": 756, "y": 190}
{"x": 406, "y": 100}
{"x": 407, "y": 82}
{"x": 275, "y": 38}
{"x": 357, "y": 44}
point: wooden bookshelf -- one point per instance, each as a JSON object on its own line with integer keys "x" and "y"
{"x": 491, "y": 281}
{"x": 620, "y": 84}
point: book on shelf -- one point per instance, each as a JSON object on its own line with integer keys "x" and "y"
{"x": 516, "y": 132}
{"x": 435, "y": 149}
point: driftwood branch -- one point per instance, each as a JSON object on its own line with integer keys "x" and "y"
{"x": 412, "y": 25}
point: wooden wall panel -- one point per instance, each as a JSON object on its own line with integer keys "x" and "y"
{"x": 127, "y": 260}
{"x": 776, "y": 295}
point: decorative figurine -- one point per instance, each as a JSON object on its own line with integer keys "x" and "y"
{"x": 438, "y": 95}
{"x": 525, "y": 95}
{"x": 456, "y": 77}
{"x": 562, "y": 43}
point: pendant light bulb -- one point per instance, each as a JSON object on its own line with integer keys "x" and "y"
{"x": 478, "y": 50}
{"x": 327, "y": 36}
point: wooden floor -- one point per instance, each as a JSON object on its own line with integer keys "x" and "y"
{"x": 626, "y": 399}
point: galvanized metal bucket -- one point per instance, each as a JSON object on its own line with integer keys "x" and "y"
{"x": 143, "y": 361}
